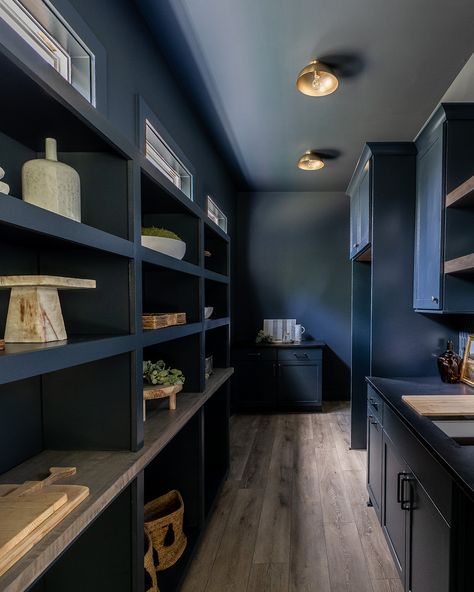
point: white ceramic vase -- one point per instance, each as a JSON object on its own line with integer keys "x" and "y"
{"x": 52, "y": 185}
{"x": 4, "y": 187}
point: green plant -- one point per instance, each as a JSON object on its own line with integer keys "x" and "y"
{"x": 262, "y": 337}
{"x": 162, "y": 232}
{"x": 158, "y": 373}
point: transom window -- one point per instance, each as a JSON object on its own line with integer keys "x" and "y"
{"x": 216, "y": 214}
{"x": 165, "y": 160}
{"x": 45, "y": 31}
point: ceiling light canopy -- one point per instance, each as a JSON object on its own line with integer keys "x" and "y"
{"x": 317, "y": 80}
{"x": 310, "y": 161}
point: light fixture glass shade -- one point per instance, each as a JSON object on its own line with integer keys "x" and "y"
{"x": 310, "y": 161}
{"x": 317, "y": 80}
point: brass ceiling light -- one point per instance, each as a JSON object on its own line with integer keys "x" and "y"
{"x": 317, "y": 80}
{"x": 310, "y": 161}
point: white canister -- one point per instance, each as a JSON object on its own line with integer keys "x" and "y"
{"x": 299, "y": 330}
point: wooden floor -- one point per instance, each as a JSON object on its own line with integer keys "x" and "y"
{"x": 293, "y": 515}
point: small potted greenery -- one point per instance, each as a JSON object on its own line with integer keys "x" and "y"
{"x": 164, "y": 241}
{"x": 156, "y": 373}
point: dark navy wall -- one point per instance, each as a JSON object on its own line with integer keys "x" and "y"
{"x": 136, "y": 66}
{"x": 293, "y": 262}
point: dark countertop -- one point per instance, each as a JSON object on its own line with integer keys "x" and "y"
{"x": 456, "y": 459}
{"x": 306, "y": 343}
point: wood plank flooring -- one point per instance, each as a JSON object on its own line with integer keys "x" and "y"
{"x": 293, "y": 515}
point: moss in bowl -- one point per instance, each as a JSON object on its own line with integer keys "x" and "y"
{"x": 163, "y": 240}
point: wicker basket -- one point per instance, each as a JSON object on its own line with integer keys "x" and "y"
{"x": 160, "y": 320}
{"x": 164, "y": 523}
{"x": 150, "y": 565}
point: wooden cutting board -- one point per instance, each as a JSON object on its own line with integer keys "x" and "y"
{"x": 75, "y": 494}
{"x": 441, "y": 405}
{"x": 19, "y": 516}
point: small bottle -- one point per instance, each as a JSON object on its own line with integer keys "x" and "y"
{"x": 449, "y": 365}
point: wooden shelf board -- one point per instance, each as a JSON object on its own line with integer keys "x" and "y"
{"x": 214, "y": 323}
{"x": 463, "y": 264}
{"x": 24, "y": 360}
{"x": 106, "y": 473}
{"x": 166, "y": 262}
{"x": 155, "y": 336}
{"x": 43, "y": 224}
{"x": 216, "y": 277}
{"x": 462, "y": 196}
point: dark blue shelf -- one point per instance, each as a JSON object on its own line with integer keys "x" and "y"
{"x": 160, "y": 260}
{"x": 41, "y": 224}
{"x": 155, "y": 336}
{"x": 214, "y": 323}
{"x": 24, "y": 360}
{"x": 216, "y": 277}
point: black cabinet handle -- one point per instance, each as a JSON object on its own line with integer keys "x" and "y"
{"x": 399, "y": 487}
{"x": 406, "y": 504}
{"x": 374, "y": 403}
{"x": 434, "y": 299}
{"x": 301, "y": 356}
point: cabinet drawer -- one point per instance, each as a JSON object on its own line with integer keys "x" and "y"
{"x": 254, "y": 353}
{"x": 299, "y": 355}
{"x": 374, "y": 404}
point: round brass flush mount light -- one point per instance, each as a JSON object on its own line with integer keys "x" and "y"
{"x": 310, "y": 161}
{"x": 317, "y": 80}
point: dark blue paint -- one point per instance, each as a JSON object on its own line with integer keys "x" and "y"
{"x": 291, "y": 260}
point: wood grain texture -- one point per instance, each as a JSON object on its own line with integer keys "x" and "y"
{"x": 460, "y": 264}
{"x": 440, "y": 405}
{"x": 268, "y": 577}
{"x": 231, "y": 568}
{"x": 347, "y": 567}
{"x": 334, "y": 496}
{"x": 462, "y": 195}
{"x": 45, "y": 281}
{"x": 255, "y": 474}
{"x": 107, "y": 474}
{"x": 273, "y": 538}
{"x": 309, "y": 528}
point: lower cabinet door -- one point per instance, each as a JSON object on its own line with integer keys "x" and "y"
{"x": 299, "y": 384}
{"x": 374, "y": 463}
{"x": 394, "y": 517}
{"x": 255, "y": 384}
{"x": 430, "y": 544}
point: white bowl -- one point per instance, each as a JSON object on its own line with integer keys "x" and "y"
{"x": 208, "y": 310}
{"x": 168, "y": 246}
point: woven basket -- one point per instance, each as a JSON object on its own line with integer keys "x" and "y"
{"x": 164, "y": 523}
{"x": 150, "y": 565}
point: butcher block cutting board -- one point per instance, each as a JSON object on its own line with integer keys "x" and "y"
{"x": 441, "y": 405}
{"x": 28, "y": 512}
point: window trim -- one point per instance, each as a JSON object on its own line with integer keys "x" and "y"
{"x": 216, "y": 215}
{"x": 21, "y": 50}
{"x": 146, "y": 117}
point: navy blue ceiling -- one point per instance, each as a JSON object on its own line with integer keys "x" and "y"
{"x": 237, "y": 60}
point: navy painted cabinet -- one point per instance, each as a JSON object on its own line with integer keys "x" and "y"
{"x": 404, "y": 485}
{"x": 277, "y": 377}
{"x": 428, "y": 229}
{"x": 360, "y": 213}
{"x": 444, "y": 242}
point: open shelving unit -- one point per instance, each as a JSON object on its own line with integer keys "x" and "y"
{"x": 80, "y": 402}
{"x": 459, "y": 248}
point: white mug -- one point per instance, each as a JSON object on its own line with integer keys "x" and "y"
{"x": 299, "y": 330}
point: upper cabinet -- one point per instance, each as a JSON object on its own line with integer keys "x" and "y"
{"x": 360, "y": 194}
{"x": 444, "y": 242}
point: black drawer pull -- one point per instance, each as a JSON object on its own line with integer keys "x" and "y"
{"x": 301, "y": 356}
